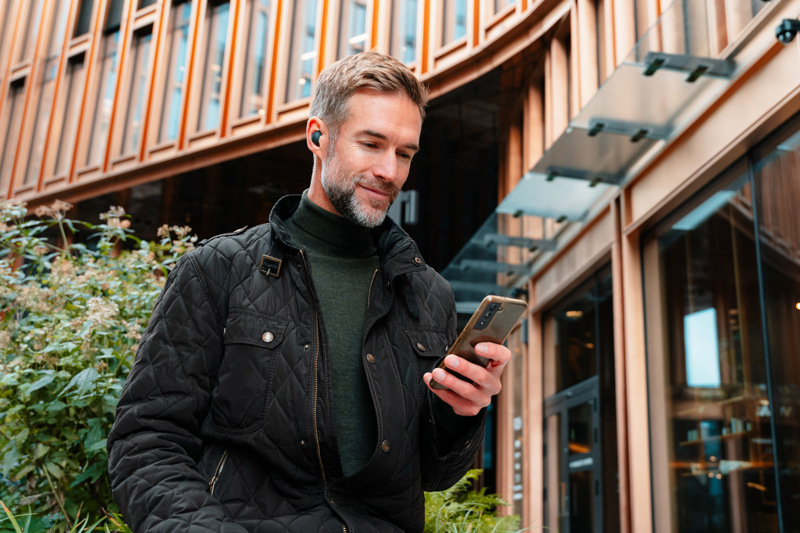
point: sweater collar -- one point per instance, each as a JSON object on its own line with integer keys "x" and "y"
{"x": 331, "y": 233}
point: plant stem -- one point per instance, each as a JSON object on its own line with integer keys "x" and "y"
{"x": 55, "y": 493}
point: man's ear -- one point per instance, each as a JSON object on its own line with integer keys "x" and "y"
{"x": 317, "y": 136}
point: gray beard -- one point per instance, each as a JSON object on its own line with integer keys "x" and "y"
{"x": 343, "y": 198}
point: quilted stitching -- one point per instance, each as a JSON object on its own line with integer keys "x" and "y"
{"x": 183, "y": 405}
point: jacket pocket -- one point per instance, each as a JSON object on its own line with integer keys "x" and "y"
{"x": 251, "y": 348}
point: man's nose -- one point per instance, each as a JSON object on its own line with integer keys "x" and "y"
{"x": 386, "y": 166}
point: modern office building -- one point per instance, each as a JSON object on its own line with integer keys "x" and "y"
{"x": 630, "y": 167}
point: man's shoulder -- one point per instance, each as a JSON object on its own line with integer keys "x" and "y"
{"x": 228, "y": 248}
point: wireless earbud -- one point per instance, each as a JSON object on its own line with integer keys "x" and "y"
{"x": 315, "y": 137}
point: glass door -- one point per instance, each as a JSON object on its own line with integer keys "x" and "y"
{"x": 573, "y": 458}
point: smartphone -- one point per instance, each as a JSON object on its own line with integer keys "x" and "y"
{"x": 491, "y": 322}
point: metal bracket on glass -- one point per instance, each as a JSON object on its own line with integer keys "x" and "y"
{"x": 496, "y": 239}
{"x": 593, "y": 178}
{"x": 694, "y": 66}
{"x": 635, "y": 130}
{"x": 492, "y": 266}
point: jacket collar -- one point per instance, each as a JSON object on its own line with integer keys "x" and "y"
{"x": 397, "y": 251}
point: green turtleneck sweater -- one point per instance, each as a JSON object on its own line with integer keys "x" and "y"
{"x": 343, "y": 260}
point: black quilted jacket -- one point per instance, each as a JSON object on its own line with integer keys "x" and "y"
{"x": 225, "y": 422}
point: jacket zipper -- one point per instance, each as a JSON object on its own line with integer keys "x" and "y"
{"x": 371, "y": 283}
{"x": 315, "y": 394}
{"x": 220, "y": 465}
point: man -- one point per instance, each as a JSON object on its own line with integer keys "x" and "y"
{"x": 282, "y": 384}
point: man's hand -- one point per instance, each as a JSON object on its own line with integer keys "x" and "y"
{"x": 467, "y": 399}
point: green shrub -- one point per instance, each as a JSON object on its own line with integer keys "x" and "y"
{"x": 460, "y": 509}
{"x": 70, "y": 320}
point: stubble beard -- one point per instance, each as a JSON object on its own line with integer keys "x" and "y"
{"x": 341, "y": 191}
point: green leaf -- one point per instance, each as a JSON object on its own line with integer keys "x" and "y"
{"x": 82, "y": 381}
{"x": 40, "y": 384}
{"x": 54, "y": 469}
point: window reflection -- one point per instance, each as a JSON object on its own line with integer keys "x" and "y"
{"x": 303, "y": 50}
{"x": 353, "y": 27}
{"x": 107, "y": 75}
{"x": 713, "y": 447}
{"x": 216, "y": 42}
{"x": 12, "y": 117}
{"x": 74, "y": 81}
{"x": 175, "y": 86}
{"x": 84, "y": 18}
{"x": 454, "y": 20}
{"x": 140, "y": 59}
{"x": 30, "y": 29}
{"x": 44, "y": 102}
{"x": 255, "y": 74}
{"x": 777, "y": 178}
{"x": 499, "y": 5}
{"x": 404, "y": 30}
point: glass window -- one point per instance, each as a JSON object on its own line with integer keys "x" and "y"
{"x": 777, "y": 180}
{"x": 404, "y": 30}
{"x": 74, "y": 82}
{"x": 140, "y": 59}
{"x": 145, "y": 3}
{"x": 114, "y": 16}
{"x": 353, "y": 27}
{"x": 44, "y": 101}
{"x": 517, "y": 385}
{"x": 255, "y": 69}
{"x": 499, "y": 5}
{"x": 7, "y": 11}
{"x": 454, "y": 20}
{"x": 107, "y": 79}
{"x": 12, "y": 118}
{"x": 84, "y": 19}
{"x": 175, "y": 86}
{"x": 30, "y": 29}
{"x": 710, "y": 411}
{"x": 303, "y": 50}
{"x": 213, "y": 66}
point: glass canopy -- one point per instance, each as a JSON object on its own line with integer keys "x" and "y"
{"x": 669, "y": 78}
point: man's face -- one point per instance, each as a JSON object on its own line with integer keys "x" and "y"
{"x": 367, "y": 165}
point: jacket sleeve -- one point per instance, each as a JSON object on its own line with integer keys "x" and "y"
{"x": 449, "y": 442}
{"x": 155, "y": 441}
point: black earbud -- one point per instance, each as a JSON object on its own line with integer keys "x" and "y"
{"x": 315, "y": 137}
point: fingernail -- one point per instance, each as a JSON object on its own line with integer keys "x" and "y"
{"x": 481, "y": 348}
{"x": 453, "y": 361}
{"x": 438, "y": 374}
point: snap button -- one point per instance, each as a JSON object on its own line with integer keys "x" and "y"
{"x": 371, "y": 358}
{"x": 385, "y": 446}
{"x": 417, "y": 260}
{"x": 267, "y": 336}
{"x": 333, "y": 502}
{"x": 306, "y": 347}
{"x": 420, "y": 347}
{"x": 302, "y": 442}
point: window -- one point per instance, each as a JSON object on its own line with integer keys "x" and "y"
{"x": 723, "y": 391}
{"x": 140, "y": 59}
{"x": 107, "y": 76}
{"x": 7, "y": 11}
{"x": 499, "y": 5}
{"x": 44, "y": 101}
{"x": 30, "y": 29}
{"x": 74, "y": 82}
{"x": 353, "y": 27}
{"x": 145, "y": 3}
{"x": 84, "y": 19}
{"x": 404, "y": 30}
{"x": 255, "y": 69}
{"x": 454, "y": 20}
{"x": 12, "y": 118}
{"x": 175, "y": 87}
{"x": 303, "y": 50}
{"x": 213, "y": 66}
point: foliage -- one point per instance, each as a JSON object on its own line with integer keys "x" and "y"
{"x": 71, "y": 316}
{"x": 460, "y": 509}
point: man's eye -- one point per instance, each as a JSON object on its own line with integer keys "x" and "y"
{"x": 404, "y": 156}
{"x": 369, "y": 145}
